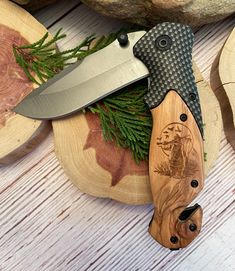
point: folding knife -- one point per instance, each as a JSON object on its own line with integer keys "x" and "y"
{"x": 176, "y": 149}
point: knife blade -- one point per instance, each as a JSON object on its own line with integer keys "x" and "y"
{"x": 176, "y": 149}
{"x": 86, "y": 82}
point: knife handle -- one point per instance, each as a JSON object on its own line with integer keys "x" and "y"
{"x": 176, "y": 173}
{"x": 176, "y": 148}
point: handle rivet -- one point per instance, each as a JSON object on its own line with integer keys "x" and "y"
{"x": 123, "y": 39}
{"x": 193, "y": 227}
{"x": 183, "y": 117}
{"x": 174, "y": 239}
{"x": 192, "y": 96}
{"x": 194, "y": 183}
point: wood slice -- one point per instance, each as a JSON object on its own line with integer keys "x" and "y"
{"x": 18, "y": 135}
{"x": 104, "y": 170}
{"x": 223, "y": 84}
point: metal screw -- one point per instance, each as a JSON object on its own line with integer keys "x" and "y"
{"x": 192, "y": 96}
{"x": 163, "y": 42}
{"x": 193, "y": 227}
{"x": 123, "y": 39}
{"x": 194, "y": 183}
{"x": 174, "y": 239}
{"x": 183, "y": 117}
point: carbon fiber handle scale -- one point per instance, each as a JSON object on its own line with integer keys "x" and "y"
{"x": 166, "y": 50}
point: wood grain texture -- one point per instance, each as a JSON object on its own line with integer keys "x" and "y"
{"x": 54, "y": 13}
{"x": 20, "y": 135}
{"x": 85, "y": 169}
{"x": 34, "y": 4}
{"x": 176, "y": 159}
{"x": 48, "y": 224}
{"x": 223, "y": 84}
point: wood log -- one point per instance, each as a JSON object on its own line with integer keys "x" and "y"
{"x": 223, "y": 85}
{"x": 151, "y": 12}
{"x": 19, "y": 135}
{"x": 102, "y": 169}
{"x": 33, "y": 5}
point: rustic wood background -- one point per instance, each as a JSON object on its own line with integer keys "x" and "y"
{"x": 46, "y": 223}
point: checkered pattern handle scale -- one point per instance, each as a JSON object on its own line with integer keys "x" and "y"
{"x": 166, "y": 50}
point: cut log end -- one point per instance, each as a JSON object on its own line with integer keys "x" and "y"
{"x": 14, "y": 83}
{"x": 223, "y": 84}
{"x": 91, "y": 163}
{"x": 18, "y": 135}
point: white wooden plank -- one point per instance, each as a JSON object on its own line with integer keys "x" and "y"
{"x": 83, "y": 22}
{"x": 51, "y": 14}
{"x": 216, "y": 253}
{"x": 11, "y": 174}
{"x": 209, "y": 41}
{"x": 48, "y": 224}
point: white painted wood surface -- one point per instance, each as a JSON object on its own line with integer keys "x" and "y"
{"x": 48, "y": 224}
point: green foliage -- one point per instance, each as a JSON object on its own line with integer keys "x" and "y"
{"x": 125, "y": 119}
{"x": 42, "y": 58}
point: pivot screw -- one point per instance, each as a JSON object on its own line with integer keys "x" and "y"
{"x": 163, "y": 42}
{"x": 123, "y": 39}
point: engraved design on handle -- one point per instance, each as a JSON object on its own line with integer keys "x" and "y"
{"x": 176, "y": 173}
{"x": 176, "y": 142}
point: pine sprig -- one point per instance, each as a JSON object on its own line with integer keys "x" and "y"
{"x": 124, "y": 117}
{"x": 42, "y": 58}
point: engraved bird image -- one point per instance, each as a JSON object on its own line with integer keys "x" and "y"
{"x": 178, "y": 130}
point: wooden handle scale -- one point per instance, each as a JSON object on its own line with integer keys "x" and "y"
{"x": 176, "y": 149}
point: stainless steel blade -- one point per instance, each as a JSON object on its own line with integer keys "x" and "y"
{"x": 82, "y": 84}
